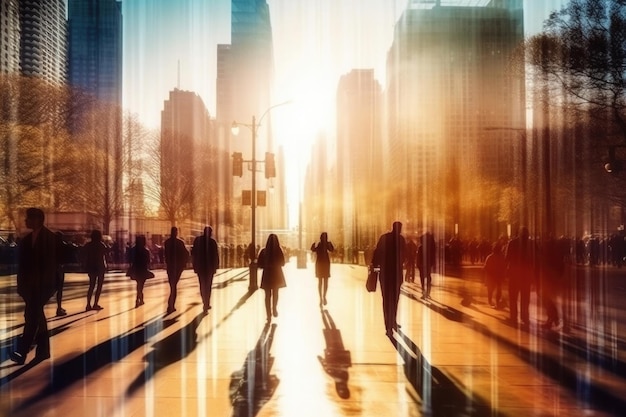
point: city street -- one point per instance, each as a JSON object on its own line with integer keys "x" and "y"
{"x": 448, "y": 358}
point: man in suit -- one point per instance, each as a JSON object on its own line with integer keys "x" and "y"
{"x": 176, "y": 256}
{"x": 37, "y": 271}
{"x": 205, "y": 259}
{"x": 389, "y": 255}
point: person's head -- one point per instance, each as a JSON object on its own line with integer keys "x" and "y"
{"x": 208, "y": 231}
{"x": 272, "y": 241}
{"x": 96, "y": 236}
{"x": 396, "y": 227}
{"x": 34, "y": 218}
{"x": 324, "y": 237}
{"x": 174, "y": 231}
{"x": 140, "y": 241}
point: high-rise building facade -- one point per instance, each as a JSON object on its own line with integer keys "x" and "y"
{"x": 189, "y": 160}
{"x": 449, "y": 87}
{"x": 95, "y": 48}
{"x": 244, "y": 90}
{"x": 43, "y": 39}
{"x": 359, "y": 156}
{"x": 9, "y": 37}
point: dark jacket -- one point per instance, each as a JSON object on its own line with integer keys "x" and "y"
{"x": 205, "y": 256}
{"x": 176, "y": 255}
{"x": 38, "y": 265}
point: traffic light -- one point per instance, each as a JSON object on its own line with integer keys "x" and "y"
{"x": 261, "y": 198}
{"x": 270, "y": 165}
{"x": 237, "y": 164}
{"x": 246, "y": 197}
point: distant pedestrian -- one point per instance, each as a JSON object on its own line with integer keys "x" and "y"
{"x": 272, "y": 260}
{"x": 206, "y": 260}
{"x": 494, "y": 273}
{"x": 176, "y": 257}
{"x": 552, "y": 262}
{"x": 389, "y": 256}
{"x": 521, "y": 268}
{"x": 322, "y": 264}
{"x": 36, "y": 282}
{"x": 411, "y": 257}
{"x": 426, "y": 261}
{"x": 95, "y": 253}
{"x": 139, "y": 269}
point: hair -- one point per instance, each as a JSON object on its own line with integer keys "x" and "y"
{"x": 35, "y": 213}
{"x": 208, "y": 231}
{"x": 324, "y": 237}
{"x": 174, "y": 231}
{"x": 96, "y": 235}
{"x": 272, "y": 241}
{"x": 140, "y": 241}
{"x": 396, "y": 227}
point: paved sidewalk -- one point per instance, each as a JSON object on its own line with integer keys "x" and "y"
{"x": 447, "y": 359}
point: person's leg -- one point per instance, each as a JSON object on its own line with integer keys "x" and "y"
{"x": 320, "y": 290}
{"x": 490, "y": 289}
{"x": 268, "y": 306}
{"x": 92, "y": 285}
{"x": 140, "y": 284}
{"x": 275, "y": 301}
{"x": 173, "y": 282}
{"x": 42, "y": 338}
{"x": 325, "y": 288}
{"x": 31, "y": 322}
{"x": 422, "y": 277}
{"x": 429, "y": 280}
{"x": 100, "y": 284}
{"x": 209, "y": 288}
{"x": 202, "y": 282}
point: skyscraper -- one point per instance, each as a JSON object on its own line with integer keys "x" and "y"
{"x": 95, "y": 48}
{"x": 43, "y": 42}
{"x": 449, "y": 81}
{"x": 9, "y": 37}
{"x": 359, "y": 161}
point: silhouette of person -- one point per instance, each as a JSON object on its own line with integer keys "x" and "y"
{"x": 426, "y": 262}
{"x": 38, "y": 263}
{"x": 206, "y": 260}
{"x": 494, "y": 271}
{"x": 271, "y": 260}
{"x": 95, "y": 263}
{"x": 521, "y": 268}
{"x": 552, "y": 269}
{"x": 64, "y": 256}
{"x": 389, "y": 257}
{"x": 140, "y": 266}
{"x": 322, "y": 264}
{"x": 411, "y": 254}
{"x": 176, "y": 257}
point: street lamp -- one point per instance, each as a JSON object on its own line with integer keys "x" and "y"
{"x": 254, "y": 126}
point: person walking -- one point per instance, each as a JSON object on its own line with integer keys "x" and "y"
{"x": 38, "y": 263}
{"x": 322, "y": 265}
{"x": 494, "y": 271}
{"x": 426, "y": 262}
{"x": 521, "y": 268}
{"x": 271, "y": 260}
{"x": 206, "y": 260}
{"x": 176, "y": 257}
{"x": 95, "y": 263}
{"x": 389, "y": 256}
{"x": 411, "y": 255}
{"x": 140, "y": 267}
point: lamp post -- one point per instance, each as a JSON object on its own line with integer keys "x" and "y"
{"x": 254, "y": 126}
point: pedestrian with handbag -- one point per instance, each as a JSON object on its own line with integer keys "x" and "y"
{"x": 139, "y": 268}
{"x": 322, "y": 264}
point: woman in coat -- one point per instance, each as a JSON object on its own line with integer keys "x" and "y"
{"x": 95, "y": 264}
{"x": 138, "y": 271}
{"x": 272, "y": 260}
{"x": 322, "y": 265}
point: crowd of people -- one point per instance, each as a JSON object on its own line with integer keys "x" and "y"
{"x": 523, "y": 263}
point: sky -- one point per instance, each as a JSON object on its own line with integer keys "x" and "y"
{"x": 173, "y": 44}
